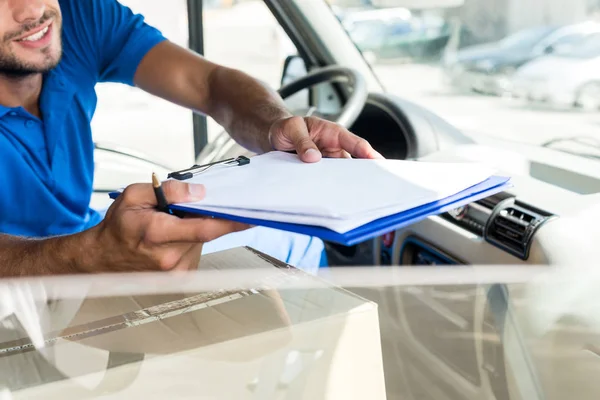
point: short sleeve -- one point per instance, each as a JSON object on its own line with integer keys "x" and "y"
{"x": 120, "y": 38}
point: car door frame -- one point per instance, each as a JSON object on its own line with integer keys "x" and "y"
{"x": 312, "y": 36}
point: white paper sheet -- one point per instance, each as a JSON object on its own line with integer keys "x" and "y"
{"x": 340, "y": 194}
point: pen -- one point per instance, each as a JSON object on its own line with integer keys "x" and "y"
{"x": 162, "y": 204}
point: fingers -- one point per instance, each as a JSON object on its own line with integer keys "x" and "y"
{"x": 336, "y": 154}
{"x": 356, "y": 146}
{"x": 179, "y": 192}
{"x": 176, "y": 256}
{"x": 190, "y": 260}
{"x": 295, "y": 130}
{"x": 336, "y": 141}
{"x": 168, "y": 257}
{"x": 165, "y": 229}
{"x": 142, "y": 194}
{"x": 207, "y": 230}
{"x": 313, "y": 138}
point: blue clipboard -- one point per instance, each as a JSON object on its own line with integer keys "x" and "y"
{"x": 489, "y": 187}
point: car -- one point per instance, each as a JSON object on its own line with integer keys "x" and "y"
{"x": 565, "y": 79}
{"x": 488, "y": 68}
{"x": 372, "y": 30}
{"x": 496, "y": 339}
{"x": 398, "y": 127}
{"x": 384, "y": 34}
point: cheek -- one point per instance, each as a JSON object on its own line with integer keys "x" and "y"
{"x": 6, "y": 50}
{"x": 5, "y": 21}
{"x": 52, "y": 4}
{"x": 57, "y": 35}
{"x": 4, "y": 30}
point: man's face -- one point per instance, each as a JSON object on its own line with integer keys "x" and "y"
{"x": 30, "y": 36}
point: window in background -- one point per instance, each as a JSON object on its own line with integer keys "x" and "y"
{"x": 497, "y": 70}
{"x": 132, "y": 119}
{"x": 245, "y": 35}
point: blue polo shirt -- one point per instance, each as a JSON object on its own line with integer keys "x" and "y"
{"x": 47, "y": 164}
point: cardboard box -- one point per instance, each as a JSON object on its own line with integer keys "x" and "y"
{"x": 312, "y": 341}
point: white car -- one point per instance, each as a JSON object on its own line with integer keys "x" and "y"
{"x": 564, "y": 79}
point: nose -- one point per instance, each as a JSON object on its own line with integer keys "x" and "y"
{"x": 27, "y": 11}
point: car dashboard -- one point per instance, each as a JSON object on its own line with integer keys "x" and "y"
{"x": 542, "y": 219}
{"x": 547, "y": 220}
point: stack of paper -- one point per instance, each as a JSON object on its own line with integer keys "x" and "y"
{"x": 338, "y": 195}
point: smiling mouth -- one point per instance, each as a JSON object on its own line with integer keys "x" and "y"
{"x": 34, "y": 37}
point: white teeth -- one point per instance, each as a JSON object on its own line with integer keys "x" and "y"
{"x": 36, "y": 36}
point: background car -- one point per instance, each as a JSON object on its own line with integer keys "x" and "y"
{"x": 370, "y": 29}
{"x": 570, "y": 78}
{"x": 398, "y": 33}
{"x": 488, "y": 68}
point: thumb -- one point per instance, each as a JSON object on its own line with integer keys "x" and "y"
{"x": 141, "y": 194}
{"x": 180, "y": 192}
{"x": 296, "y": 131}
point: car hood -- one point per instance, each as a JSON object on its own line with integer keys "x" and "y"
{"x": 551, "y": 66}
{"x": 489, "y": 57}
{"x": 491, "y": 51}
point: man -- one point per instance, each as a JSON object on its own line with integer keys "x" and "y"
{"x": 52, "y": 54}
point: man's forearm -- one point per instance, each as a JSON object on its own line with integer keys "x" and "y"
{"x": 245, "y": 107}
{"x": 32, "y": 257}
{"x": 242, "y": 105}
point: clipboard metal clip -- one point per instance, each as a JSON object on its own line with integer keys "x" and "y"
{"x": 197, "y": 169}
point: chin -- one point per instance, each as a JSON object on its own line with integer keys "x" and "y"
{"x": 45, "y": 62}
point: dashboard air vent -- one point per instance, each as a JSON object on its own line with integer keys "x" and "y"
{"x": 512, "y": 225}
{"x": 473, "y": 217}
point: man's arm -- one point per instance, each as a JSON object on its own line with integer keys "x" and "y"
{"x": 30, "y": 257}
{"x": 239, "y": 103}
{"x": 132, "y": 52}
{"x": 253, "y": 114}
{"x": 134, "y": 236}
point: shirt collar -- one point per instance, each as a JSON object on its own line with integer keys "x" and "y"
{"x": 51, "y": 80}
{"x": 4, "y": 111}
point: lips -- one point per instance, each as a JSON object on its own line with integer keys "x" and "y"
{"x": 37, "y": 38}
{"x": 35, "y": 31}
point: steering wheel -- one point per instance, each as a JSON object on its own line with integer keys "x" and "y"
{"x": 225, "y": 147}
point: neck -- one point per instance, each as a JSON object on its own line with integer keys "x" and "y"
{"x": 21, "y": 91}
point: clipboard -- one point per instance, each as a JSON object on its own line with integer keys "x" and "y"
{"x": 378, "y": 227}
{"x": 194, "y": 170}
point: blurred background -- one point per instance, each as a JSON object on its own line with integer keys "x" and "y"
{"x": 518, "y": 70}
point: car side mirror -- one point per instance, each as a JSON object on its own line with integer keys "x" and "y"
{"x": 295, "y": 68}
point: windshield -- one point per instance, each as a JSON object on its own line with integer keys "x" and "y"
{"x": 451, "y": 58}
{"x": 245, "y": 326}
{"x": 372, "y": 33}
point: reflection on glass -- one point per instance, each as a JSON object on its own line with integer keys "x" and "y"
{"x": 527, "y": 37}
{"x": 246, "y": 327}
{"x": 492, "y": 71}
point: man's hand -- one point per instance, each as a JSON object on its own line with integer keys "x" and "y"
{"x": 247, "y": 108}
{"x": 136, "y": 237}
{"x": 313, "y": 138}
